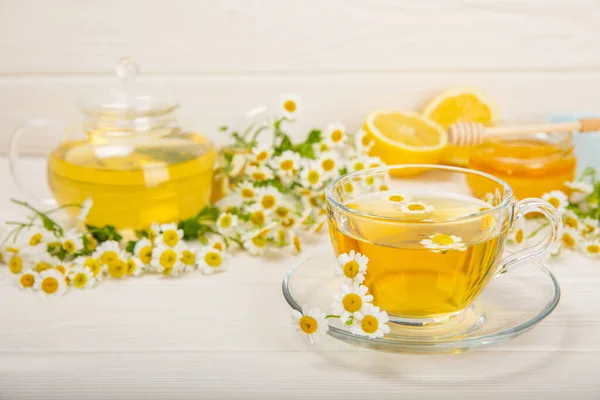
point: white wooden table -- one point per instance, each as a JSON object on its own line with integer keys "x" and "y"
{"x": 230, "y": 336}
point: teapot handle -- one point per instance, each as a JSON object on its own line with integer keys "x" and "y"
{"x": 13, "y": 157}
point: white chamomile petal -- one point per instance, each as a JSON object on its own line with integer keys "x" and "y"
{"x": 86, "y": 206}
{"x": 372, "y": 322}
{"x": 334, "y": 135}
{"x": 350, "y": 300}
{"x": 143, "y": 250}
{"x": 287, "y": 164}
{"x": 290, "y": 106}
{"x": 81, "y": 277}
{"x": 210, "y": 260}
{"x": 259, "y": 173}
{"x": 27, "y": 279}
{"x": 578, "y": 191}
{"x": 72, "y": 242}
{"x": 167, "y": 260}
{"x": 441, "y": 243}
{"x": 311, "y": 323}
{"x": 557, "y": 198}
{"x": 256, "y": 243}
{"x": 261, "y": 153}
{"x": 135, "y": 266}
{"x": 226, "y": 222}
{"x": 51, "y": 283}
{"x": 247, "y": 190}
{"x": 352, "y": 266}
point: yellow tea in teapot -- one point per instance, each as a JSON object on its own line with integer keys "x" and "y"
{"x": 421, "y": 266}
{"x": 134, "y": 181}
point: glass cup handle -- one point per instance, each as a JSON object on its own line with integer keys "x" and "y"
{"x": 13, "y": 156}
{"x": 546, "y": 245}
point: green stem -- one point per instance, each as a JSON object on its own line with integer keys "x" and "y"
{"x": 332, "y": 316}
{"x": 532, "y": 234}
{"x": 63, "y": 207}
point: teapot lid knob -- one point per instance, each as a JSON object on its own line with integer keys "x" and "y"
{"x": 127, "y": 69}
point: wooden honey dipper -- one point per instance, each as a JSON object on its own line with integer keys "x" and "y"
{"x": 472, "y": 133}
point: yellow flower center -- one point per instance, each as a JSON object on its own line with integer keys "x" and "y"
{"x": 282, "y": 211}
{"x": 27, "y": 280}
{"x": 61, "y": 269}
{"x": 69, "y": 246}
{"x": 286, "y": 165}
{"x": 328, "y": 164}
{"x": 247, "y": 193}
{"x": 80, "y": 280}
{"x": 35, "y": 239}
{"x": 349, "y": 187}
{"x": 519, "y": 236}
{"x": 593, "y": 249}
{"x": 351, "y": 269}
{"x": 384, "y": 188}
{"x": 188, "y": 257}
{"x": 146, "y": 254}
{"x": 352, "y": 302}
{"x": 554, "y": 201}
{"x": 313, "y": 177}
{"x": 416, "y": 207}
{"x": 589, "y": 229}
{"x": 170, "y": 237}
{"x": 218, "y": 246}
{"x": 259, "y": 240}
{"x": 49, "y": 285}
{"x": 369, "y": 324}
{"x": 167, "y": 271}
{"x": 42, "y": 266}
{"x": 168, "y": 258}
{"x": 213, "y": 259}
{"x": 442, "y": 240}
{"x": 396, "y": 198}
{"x": 92, "y": 243}
{"x": 152, "y": 235}
{"x": 337, "y": 135}
{"x": 308, "y": 324}
{"x": 572, "y": 222}
{"x": 288, "y": 223}
{"x": 289, "y": 106}
{"x": 297, "y": 244}
{"x": 262, "y": 156}
{"x": 359, "y": 166}
{"x": 14, "y": 250}
{"x": 370, "y": 180}
{"x": 109, "y": 257}
{"x": 257, "y": 217}
{"x": 117, "y": 269}
{"x": 15, "y": 264}
{"x": 314, "y": 201}
{"x": 268, "y": 201}
{"x": 93, "y": 265}
{"x": 319, "y": 227}
{"x": 259, "y": 176}
{"x": 568, "y": 240}
{"x": 131, "y": 266}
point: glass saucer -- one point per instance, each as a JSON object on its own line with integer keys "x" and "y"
{"x": 511, "y": 304}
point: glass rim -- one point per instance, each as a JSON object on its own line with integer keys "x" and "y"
{"x": 508, "y": 192}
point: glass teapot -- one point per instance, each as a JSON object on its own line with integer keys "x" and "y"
{"x": 130, "y": 158}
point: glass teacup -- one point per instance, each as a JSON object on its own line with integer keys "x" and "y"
{"x": 432, "y": 246}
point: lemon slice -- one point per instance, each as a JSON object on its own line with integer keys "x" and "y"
{"x": 460, "y": 105}
{"x": 405, "y": 137}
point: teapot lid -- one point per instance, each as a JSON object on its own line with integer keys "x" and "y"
{"x": 128, "y": 99}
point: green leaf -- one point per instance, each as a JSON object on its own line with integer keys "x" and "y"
{"x": 223, "y": 128}
{"x": 343, "y": 171}
{"x": 104, "y": 233}
{"x": 209, "y": 213}
{"x": 130, "y": 246}
{"x": 286, "y": 144}
{"x": 141, "y": 233}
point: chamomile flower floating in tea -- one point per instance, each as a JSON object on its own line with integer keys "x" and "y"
{"x": 557, "y": 198}
{"x": 27, "y": 279}
{"x": 210, "y": 260}
{"x": 311, "y": 323}
{"x": 334, "y": 135}
{"x": 81, "y": 278}
{"x": 372, "y": 322}
{"x": 397, "y": 198}
{"x": 350, "y": 300}
{"x": 352, "y": 266}
{"x": 51, "y": 283}
{"x": 442, "y": 243}
{"x": 415, "y": 208}
{"x": 290, "y": 106}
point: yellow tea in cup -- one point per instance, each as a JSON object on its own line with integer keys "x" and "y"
{"x": 432, "y": 245}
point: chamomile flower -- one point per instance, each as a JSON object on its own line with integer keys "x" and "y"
{"x": 330, "y": 162}
{"x": 72, "y": 242}
{"x": 210, "y": 260}
{"x": 357, "y": 163}
{"x": 570, "y": 238}
{"x": 349, "y": 187}
{"x": 256, "y": 243}
{"x": 50, "y": 283}
{"x": 311, "y": 323}
{"x": 216, "y": 242}
{"x": 261, "y": 154}
{"x": 91, "y": 263}
{"x": 578, "y": 191}
{"x": 415, "y": 207}
{"x": 42, "y": 261}
{"x": 589, "y": 226}
{"x": 153, "y": 231}
{"x": 81, "y": 278}
{"x": 283, "y": 210}
{"x": 36, "y": 235}
{"x": 143, "y": 250}
{"x": 226, "y": 222}
{"x": 167, "y": 260}
{"x": 289, "y": 223}
{"x": 320, "y": 147}
{"x": 362, "y": 142}
{"x": 352, "y": 266}
{"x": 313, "y": 176}
{"x": 247, "y": 191}
{"x": 557, "y": 198}
{"x": 290, "y": 106}
{"x": 258, "y": 216}
{"x": 188, "y": 259}
{"x": 27, "y": 279}
{"x": 287, "y": 164}
{"x": 268, "y": 198}
{"x": 350, "y": 300}
{"x": 397, "y": 198}
{"x": 135, "y": 266}
{"x": 592, "y": 249}
{"x": 259, "y": 174}
{"x": 63, "y": 267}
{"x": 334, "y": 135}
{"x": 372, "y": 322}
{"x": 108, "y": 252}
{"x": 15, "y": 262}
{"x": 374, "y": 162}
{"x": 118, "y": 269}
{"x": 441, "y": 243}
{"x": 169, "y": 235}
{"x": 571, "y": 219}
{"x": 86, "y": 206}
{"x": 516, "y": 234}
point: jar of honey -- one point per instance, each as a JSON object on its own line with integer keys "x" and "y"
{"x": 531, "y": 164}
{"x": 131, "y": 158}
